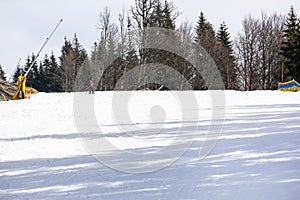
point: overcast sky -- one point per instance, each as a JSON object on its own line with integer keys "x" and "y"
{"x": 25, "y": 24}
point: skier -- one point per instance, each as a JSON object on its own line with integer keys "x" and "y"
{"x": 91, "y": 88}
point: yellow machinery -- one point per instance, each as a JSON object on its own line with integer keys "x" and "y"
{"x": 22, "y": 92}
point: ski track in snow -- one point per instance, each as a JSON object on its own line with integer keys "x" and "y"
{"x": 257, "y": 155}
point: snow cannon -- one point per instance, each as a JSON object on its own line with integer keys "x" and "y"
{"x": 21, "y": 91}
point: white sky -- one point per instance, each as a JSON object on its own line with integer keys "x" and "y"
{"x": 25, "y": 24}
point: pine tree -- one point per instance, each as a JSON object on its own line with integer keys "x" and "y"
{"x": 67, "y": 66}
{"x": 163, "y": 16}
{"x": 2, "y": 74}
{"x": 131, "y": 56}
{"x": 79, "y": 53}
{"x": 32, "y": 76}
{"x": 111, "y": 49}
{"x": 19, "y": 72}
{"x": 54, "y": 76}
{"x": 49, "y": 75}
{"x": 71, "y": 59}
{"x": 224, "y": 37}
{"x": 203, "y": 28}
{"x": 219, "y": 47}
{"x": 290, "y": 48}
{"x": 43, "y": 78}
{"x": 297, "y": 52}
{"x": 94, "y": 52}
{"x": 156, "y": 19}
{"x": 226, "y": 58}
{"x": 169, "y": 16}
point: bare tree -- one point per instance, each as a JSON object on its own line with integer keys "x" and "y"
{"x": 142, "y": 12}
{"x": 122, "y": 33}
{"x": 274, "y": 59}
{"x": 247, "y": 53}
{"x": 106, "y": 44}
{"x": 257, "y": 52}
{"x": 105, "y": 24}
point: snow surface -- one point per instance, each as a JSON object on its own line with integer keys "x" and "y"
{"x": 257, "y": 155}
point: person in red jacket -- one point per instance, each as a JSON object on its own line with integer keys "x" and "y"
{"x": 91, "y": 88}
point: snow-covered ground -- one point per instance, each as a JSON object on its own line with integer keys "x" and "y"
{"x": 158, "y": 154}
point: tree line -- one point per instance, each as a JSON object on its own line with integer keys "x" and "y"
{"x": 52, "y": 74}
{"x": 253, "y": 60}
{"x": 267, "y": 51}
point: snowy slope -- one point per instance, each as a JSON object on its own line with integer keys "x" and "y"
{"x": 44, "y": 155}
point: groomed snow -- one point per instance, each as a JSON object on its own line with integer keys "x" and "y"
{"x": 256, "y": 156}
